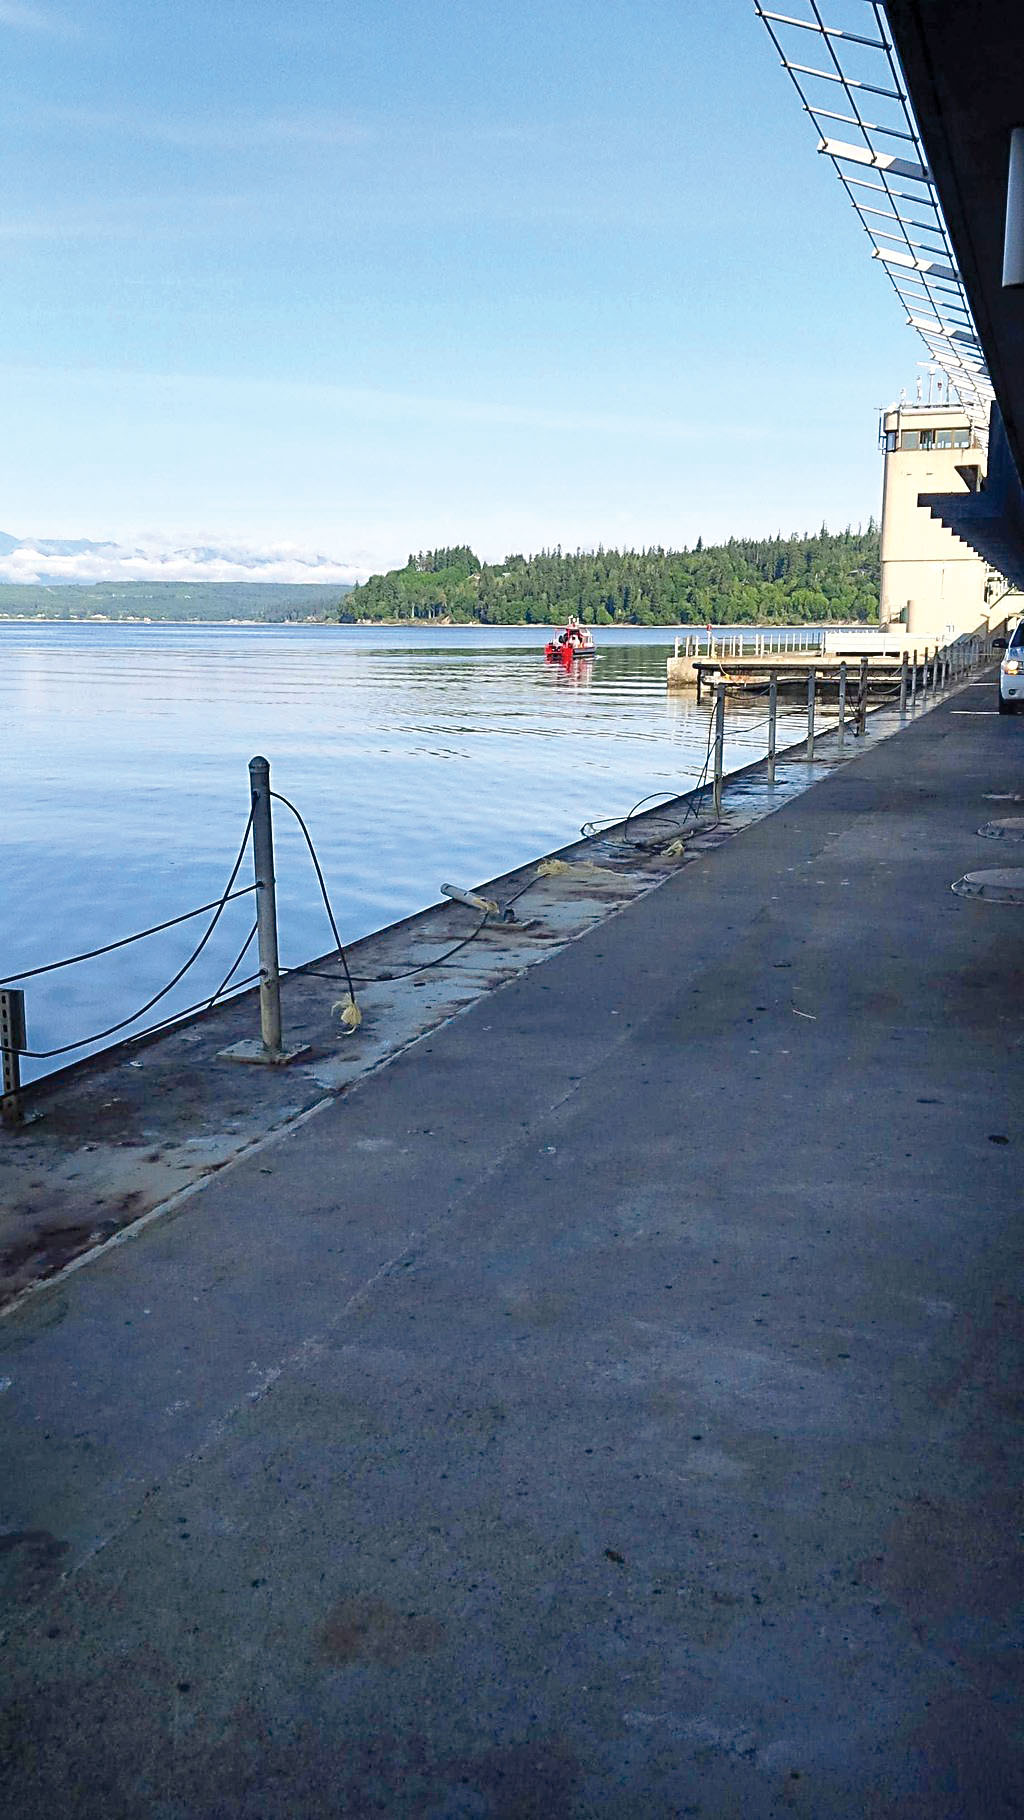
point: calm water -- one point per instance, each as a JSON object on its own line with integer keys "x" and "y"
{"x": 415, "y": 758}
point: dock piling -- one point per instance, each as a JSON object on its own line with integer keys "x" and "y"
{"x": 810, "y": 717}
{"x": 773, "y": 715}
{"x": 842, "y": 700}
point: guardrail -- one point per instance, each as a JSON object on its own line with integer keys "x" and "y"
{"x": 270, "y": 1047}
{"x": 917, "y": 679}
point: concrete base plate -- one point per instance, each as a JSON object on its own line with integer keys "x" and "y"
{"x": 1009, "y": 829}
{"x": 1000, "y": 885}
{"x": 259, "y": 1054}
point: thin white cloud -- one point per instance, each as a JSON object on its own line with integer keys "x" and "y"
{"x": 179, "y": 215}
{"x": 220, "y": 133}
{"x": 150, "y": 562}
{"x": 22, "y": 16}
{"x": 384, "y": 406}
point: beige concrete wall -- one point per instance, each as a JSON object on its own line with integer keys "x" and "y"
{"x": 928, "y": 574}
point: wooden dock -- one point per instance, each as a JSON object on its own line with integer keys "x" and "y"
{"x": 754, "y": 674}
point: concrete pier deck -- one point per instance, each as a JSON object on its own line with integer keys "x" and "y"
{"x": 611, "y": 1407}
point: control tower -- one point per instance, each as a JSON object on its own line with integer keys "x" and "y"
{"x": 934, "y": 586}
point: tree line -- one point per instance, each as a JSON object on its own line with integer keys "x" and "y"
{"x": 830, "y": 575}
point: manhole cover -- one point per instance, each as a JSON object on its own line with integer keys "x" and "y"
{"x": 1010, "y": 829}
{"x": 1001, "y": 885}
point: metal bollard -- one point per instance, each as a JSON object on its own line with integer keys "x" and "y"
{"x": 270, "y": 1047}
{"x": 842, "y": 700}
{"x": 862, "y": 699}
{"x": 12, "y": 1042}
{"x": 903, "y": 685}
{"x": 913, "y": 680}
{"x": 266, "y": 905}
{"x": 773, "y": 715}
{"x": 810, "y": 717}
{"x": 719, "y": 745}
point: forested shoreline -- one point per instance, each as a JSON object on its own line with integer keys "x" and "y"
{"x": 831, "y": 575}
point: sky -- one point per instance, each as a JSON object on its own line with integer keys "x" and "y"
{"x": 329, "y": 281}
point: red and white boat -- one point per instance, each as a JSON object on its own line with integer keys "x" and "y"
{"x": 575, "y": 641}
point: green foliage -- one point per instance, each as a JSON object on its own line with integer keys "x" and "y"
{"x": 184, "y": 601}
{"x": 759, "y": 581}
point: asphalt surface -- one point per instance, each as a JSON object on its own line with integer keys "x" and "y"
{"x": 611, "y": 1408}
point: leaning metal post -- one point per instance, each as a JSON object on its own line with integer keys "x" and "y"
{"x": 266, "y": 905}
{"x": 12, "y": 1041}
{"x": 773, "y": 714}
{"x": 270, "y": 1047}
{"x": 842, "y": 698}
{"x": 810, "y": 715}
{"x": 719, "y": 744}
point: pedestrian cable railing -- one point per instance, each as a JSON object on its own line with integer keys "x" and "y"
{"x": 920, "y": 678}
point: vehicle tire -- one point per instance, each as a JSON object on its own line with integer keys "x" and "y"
{"x": 1005, "y": 707}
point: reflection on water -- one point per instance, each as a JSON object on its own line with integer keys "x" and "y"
{"x": 414, "y": 756}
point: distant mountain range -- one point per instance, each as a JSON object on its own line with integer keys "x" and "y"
{"x": 84, "y": 561}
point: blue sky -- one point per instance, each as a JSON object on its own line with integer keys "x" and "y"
{"x": 327, "y": 275}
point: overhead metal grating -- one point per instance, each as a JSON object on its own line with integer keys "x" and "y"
{"x": 882, "y": 167}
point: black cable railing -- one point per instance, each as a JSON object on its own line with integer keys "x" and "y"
{"x": 941, "y": 665}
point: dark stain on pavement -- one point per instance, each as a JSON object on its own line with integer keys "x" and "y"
{"x": 369, "y": 1630}
{"x": 31, "y": 1562}
{"x": 47, "y": 1249}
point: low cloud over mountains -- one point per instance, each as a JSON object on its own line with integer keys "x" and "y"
{"x": 39, "y": 559}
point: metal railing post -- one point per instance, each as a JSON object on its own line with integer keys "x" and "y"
{"x": 862, "y": 697}
{"x": 719, "y": 745}
{"x": 266, "y": 905}
{"x": 773, "y": 716}
{"x": 842, "y": 699}
{"x": 810, "y": 716}
{"x": 12, "y": 1041}
{"x": 903, "y": 685}
{"x": 913, "y": 680}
